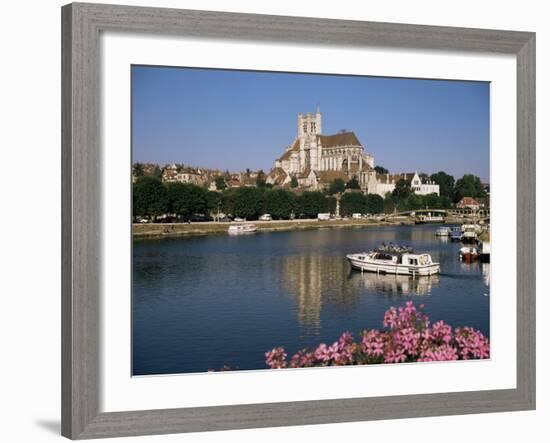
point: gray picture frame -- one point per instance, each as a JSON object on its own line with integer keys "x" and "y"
{"x": 81, "y": 183}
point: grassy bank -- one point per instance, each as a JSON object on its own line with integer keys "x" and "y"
{"x": 206, "y": 228}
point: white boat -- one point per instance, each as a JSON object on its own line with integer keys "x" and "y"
{"x": 443, "y": 231}
{"x": 246, "y": 228}
{"x": 429, "y": 218}
{"x": 394, "y": 260}
{"x": 469, "y": 233}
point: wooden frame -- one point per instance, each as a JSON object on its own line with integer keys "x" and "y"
{"x": 81, "y": 26}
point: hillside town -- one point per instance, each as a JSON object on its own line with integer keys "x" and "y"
{"x": 316, "y": 173}
{"x": 310, "y": 163}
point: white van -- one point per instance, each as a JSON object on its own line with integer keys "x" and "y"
{"x": 357, "y": 216}
{"x": 323, "y": 216}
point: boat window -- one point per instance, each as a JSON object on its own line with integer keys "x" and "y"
{"x": 413, "y": 261}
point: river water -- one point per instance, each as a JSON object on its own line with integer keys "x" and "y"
{"x": 201, "y": 303}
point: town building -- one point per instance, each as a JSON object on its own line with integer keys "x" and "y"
{"x": 315, "y": 159}
{"x": 470, "y": 203}
{"x": 381, "y": 184}
{"x": 177, "y": 173}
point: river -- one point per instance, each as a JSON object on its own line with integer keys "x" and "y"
{"x": 200, "y": 303}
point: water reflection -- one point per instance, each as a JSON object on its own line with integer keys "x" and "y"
{"x": 396, "y": 284}
{"x": 313, "y": 281}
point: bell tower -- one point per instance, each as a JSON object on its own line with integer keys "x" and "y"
{"x": 309, "y": 125}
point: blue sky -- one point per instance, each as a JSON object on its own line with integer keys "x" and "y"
{"x": 241, "y": 119}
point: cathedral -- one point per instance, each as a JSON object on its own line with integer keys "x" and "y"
{"x": 315, "y": 159}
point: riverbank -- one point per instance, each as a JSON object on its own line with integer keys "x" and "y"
{"x": 155, "y": 230}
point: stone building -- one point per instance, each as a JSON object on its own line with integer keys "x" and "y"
{"x": 313, "y": 158}
{"x": 381, "y": 184}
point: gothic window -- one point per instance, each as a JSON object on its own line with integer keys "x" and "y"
{"x": 305, "y": 126}
{"x": 312, "y": 126}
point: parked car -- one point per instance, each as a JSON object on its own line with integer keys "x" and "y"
{"x": 357, "y": 216}
{"x": 265, "y": 217}
{"x": 323, "y": 216}
{"x": 239, "y": 219}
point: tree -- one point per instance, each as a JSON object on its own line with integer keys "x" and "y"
{"x": 280, "y": 203}
{"x": 213, "y": 201}
{"x": 137, "y": 170}
{"x": 337, "y": 186}
{"x": 249, "y": 202}
{"x": 260, "y": 179}
{"x": 149, "y": 197}
{"x": 187, "y": 199}
{"x": 353, "y": 183}
{"x": 432, "y": 201}
{"x": 157, "y": 172}
{"x": 374, "y": 204}
{"x": 446, "y": 183}
{"x": 220, "y": 183}
{"x": 311, "y": 203}
{"x": 469, "y": 186}
{"x": 402, "y": 189}
{"x": 293, "y": 182}
{"x": 353, "y": 202}
{"x": 381, "y": 170}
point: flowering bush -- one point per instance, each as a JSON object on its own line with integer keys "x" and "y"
{"x": 407, "y": 336}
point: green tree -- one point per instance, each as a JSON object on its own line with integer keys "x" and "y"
{"x": 249, "y": 202}
{"x": 187, "y": 199}
{"x": 446, "y": 183}
{"x": 137, "y": 170}
{"x": 337, "y": 186}
{"x": 220, "y": 183}
{"x": 412, "y": 202}
{"x": 469, "y": 186}
{"x": 260, "y": 179}
{"x": 374, "y": 204}
{"x": 293, "y": 182}
{"x": 381, "y": 170}
{"x": 157, "y": 172}
{"x": 228, "y": 201}
{"x": 353, "y": 183}
{"x": 402, "y": 190}
{"x": 213, "y": 201}
{"x": 311, "y": 203}
{"x": 280, "y": 203}
{"x": 150, "y": 197}
{"x": 353, "y": 202}
{"x": 389, "y": 203}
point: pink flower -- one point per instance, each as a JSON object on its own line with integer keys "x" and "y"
{"x": 409, "y": 337}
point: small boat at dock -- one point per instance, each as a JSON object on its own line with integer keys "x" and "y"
{"x": 394, "y": 259}
{"x": 456, "y": 233}
{"x": 443, "y": 231}
{"x": 246, "y": 228}
{"x": 484, "y": 247}
{"x": 429, "y": 218}
{"x": 468, "y": 253}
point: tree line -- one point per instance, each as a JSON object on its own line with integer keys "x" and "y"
{"x": 152, "y": 198}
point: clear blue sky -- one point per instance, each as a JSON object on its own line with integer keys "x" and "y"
{"x": 240, "y": 119}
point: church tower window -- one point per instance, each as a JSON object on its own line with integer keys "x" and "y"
{"x": 305, "y": 127}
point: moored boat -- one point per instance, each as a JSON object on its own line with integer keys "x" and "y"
{"x": 468, "y": 253}
{"x": 394, "y": 260}
{"x": 429, "y": 218}
{"x": 246, "y": 228}
{"x": 456, "y": 233}
{"x": 484, "y": 246}
{"x": 443, "y": 231}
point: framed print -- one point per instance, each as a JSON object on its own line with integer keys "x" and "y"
{"x": 273, "y": 221}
